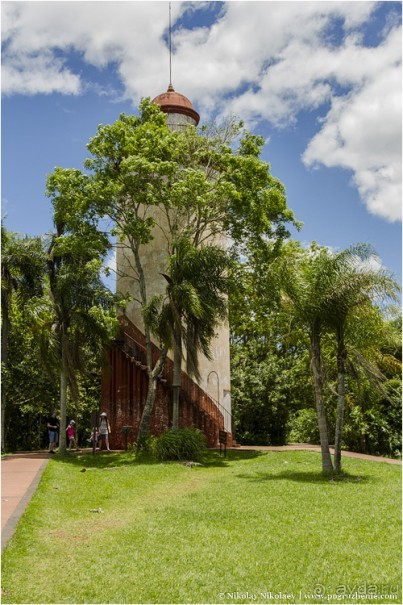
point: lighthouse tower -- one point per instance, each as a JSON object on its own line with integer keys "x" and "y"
{"x": 180, "y": 111}
{"x": 215, "y": 373}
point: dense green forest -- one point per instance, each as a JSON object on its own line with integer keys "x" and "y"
{"x": 272, "y": 389}
{"x": 315, "y": 335}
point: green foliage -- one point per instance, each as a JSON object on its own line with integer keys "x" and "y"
{"x": 70, "y": 314}
{"x": 193, "y": 186}
{"x": 149, "y": 446}
{"x": 32, "y": 385}
{"x": 266, "y": 386}
{"x": 303, "y": 427}
{"x": 31, "y": 392}
{"x": 203, "y": 182}
{"x": 270, "y": 349}
{"x": 373, "y": 423}
{"x": 21, "y": 268}
{"x": 195, "y": 300}
{"x": 183, "y": 444}
{"x": 269, "y": 356}
{"x": 23, "y": 265}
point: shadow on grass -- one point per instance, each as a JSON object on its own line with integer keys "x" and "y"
{"x": 213, "y": 458}
{"x": 99, "y": 460}
{"x": 105, "y": 460}
{"x": 307, "y": 477}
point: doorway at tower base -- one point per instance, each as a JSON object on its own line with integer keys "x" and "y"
{"x": 124, "y": 391}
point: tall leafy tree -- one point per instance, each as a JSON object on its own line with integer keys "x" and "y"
{"x": 269, "y": 354}
{"x": 355, "y": 287}
{"x": 31, "y": 391}
{"x": 323, "y": 290}
{"x": 206, "y": 184}
{"x": 77, "y": 312}
{"x": 270, "y": 342}
{"x": 22, "y": 272}
{"x": 306, "y": 279}
{"x": 194, "y": 306}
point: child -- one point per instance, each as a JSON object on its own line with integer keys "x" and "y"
{"x": 91, "y": 437}
{"x": 71, "y": 435}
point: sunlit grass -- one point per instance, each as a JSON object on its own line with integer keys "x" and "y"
{"x": 254, "y": 527}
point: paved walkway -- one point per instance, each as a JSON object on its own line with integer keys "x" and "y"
{"x": 20, "y": 476}
{"x": 21, "y": 473}
{"x": 315, "y": 448}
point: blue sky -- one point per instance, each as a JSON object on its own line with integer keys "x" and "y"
{"x": 321, "y": 81}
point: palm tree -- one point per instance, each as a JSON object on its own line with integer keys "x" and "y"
{"x": 195, "y": 304}
{"x": 355, "y": 286}
{"x": 305, "y": 278}
{"x": 324, "y": 290}
{"x": 77, "y": 312}
{"x": 22, "y": 272}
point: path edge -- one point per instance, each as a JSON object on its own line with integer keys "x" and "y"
{"x": 11, "y": 525}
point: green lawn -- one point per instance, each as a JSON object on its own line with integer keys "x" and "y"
{"x": 252, "y": 528}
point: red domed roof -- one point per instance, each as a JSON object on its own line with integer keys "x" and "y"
{"x": 173, "y": 102}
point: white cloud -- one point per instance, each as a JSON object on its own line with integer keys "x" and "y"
{"x": 128, "y": 34}
{"x": 362, "y": 131}
{"x": 47, "y": 74}
{"x": 260, "y": 60}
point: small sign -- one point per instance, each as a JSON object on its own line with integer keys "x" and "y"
{"x": 223, "y": 437}
{"x": 126, "y": 430}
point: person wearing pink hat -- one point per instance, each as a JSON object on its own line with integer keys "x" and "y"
{"x": 71, "y": 434}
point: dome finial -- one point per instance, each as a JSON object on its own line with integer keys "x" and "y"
{"x": 172, "y": 102}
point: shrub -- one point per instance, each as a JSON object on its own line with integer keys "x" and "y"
{"x": 149, "y": 445}
{"x": 303, "y": 427}
{"x": 184, "y": 444}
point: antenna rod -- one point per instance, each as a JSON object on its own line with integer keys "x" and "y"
{"x": 170, "y": 48}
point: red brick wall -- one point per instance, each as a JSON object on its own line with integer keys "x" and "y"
{"x": 123, "y": 394}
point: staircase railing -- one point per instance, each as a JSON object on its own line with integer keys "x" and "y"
{"x": 134, "y": 346}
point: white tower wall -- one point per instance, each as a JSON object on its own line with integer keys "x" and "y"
{"x": 215, "y": 373}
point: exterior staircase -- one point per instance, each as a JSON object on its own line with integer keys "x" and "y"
{"x": 125, "y": 385}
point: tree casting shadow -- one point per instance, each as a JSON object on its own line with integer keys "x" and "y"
{"x": 211, "y": 459}
{"x": 307, "y": 477}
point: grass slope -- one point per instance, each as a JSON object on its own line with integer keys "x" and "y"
{"x": 255, "y": 527}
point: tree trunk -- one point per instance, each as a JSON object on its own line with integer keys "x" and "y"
{"x": 176, "y": 385}
{"x": 145, "y": 421}
{"x": 5, "y": 327}
{"x": 147, "y": 412}
{"x": 63, "y": 402}
{"x": 341, "y": 400}
{"x": 327, "y": 465}
{"x": 152, "y": 376}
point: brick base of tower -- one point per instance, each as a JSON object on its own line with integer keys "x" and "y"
{"x": 124, "y": 392}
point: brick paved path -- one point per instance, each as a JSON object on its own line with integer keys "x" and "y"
{"x": 20, "y": 475}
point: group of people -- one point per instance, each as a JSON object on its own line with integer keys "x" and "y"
{"x": 101, "y": 432}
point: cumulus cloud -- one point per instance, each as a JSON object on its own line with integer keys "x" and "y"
{"x": 261, "y": 60}
{"x": 47, "y": 74}
{"x": 362, "y": 131}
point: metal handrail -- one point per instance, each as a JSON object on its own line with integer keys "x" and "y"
{"x": 189, "y": 390}
{"x": 226, "y": 414}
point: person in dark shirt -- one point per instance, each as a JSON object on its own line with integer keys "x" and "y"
{"x": 53, "y": 431}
